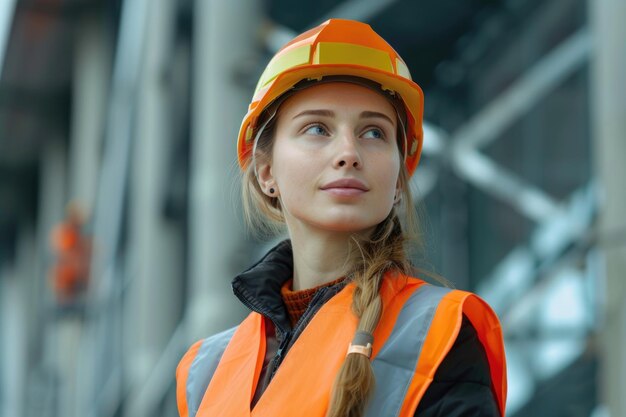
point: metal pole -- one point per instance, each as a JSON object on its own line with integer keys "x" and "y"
{"x": 7, "y": 11}
{"x": 92, "y": 69}
{"x": 99, "y": 378}
{"x": 608, "y": 89}
{"x": 151, "y": 300}
{"x": 226, "y": 33}
{"x": 90, "y": 85}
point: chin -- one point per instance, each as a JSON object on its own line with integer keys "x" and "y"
{"x": 345, "y": 224}
{"x": 345, "y": 228}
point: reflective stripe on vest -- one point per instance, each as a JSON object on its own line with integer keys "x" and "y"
{"x": 419, "y": 326}
{"x": 202, "y": 360}
{"x": 397, "y": 360}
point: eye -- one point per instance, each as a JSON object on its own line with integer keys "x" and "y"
{"x": 374, "y": 133}
{"x": 315, "y": 129}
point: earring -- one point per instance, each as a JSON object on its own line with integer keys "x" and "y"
{"x": 271, "y": 191}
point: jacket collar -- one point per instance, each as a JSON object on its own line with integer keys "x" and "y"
{"x": 259, "y": 286}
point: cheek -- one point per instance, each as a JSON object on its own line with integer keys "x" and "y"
{"x": 293, "y": 170}
{"x": 388, "y": 169}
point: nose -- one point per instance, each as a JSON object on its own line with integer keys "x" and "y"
{"x": 347, "y": 153}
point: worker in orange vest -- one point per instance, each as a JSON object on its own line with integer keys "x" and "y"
{"x": 72, "y": 250}
{"x": 340, "y": 323}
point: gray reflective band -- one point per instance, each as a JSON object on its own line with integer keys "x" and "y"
{"x": 203, "y": 366}
{"x": 395, "y": 364}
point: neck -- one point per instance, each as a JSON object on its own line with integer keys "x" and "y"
{"x": 318, "y": 261}
{"x": 319, "y": 256}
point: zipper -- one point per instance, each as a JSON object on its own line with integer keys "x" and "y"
{"x": 305, "y": 316}
{"x": 278, "y": 358}
{"x": 280, "y": 353}
{"x": 289, "y": 334}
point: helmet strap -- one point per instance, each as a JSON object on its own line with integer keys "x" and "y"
{"x": 256, "y": 140}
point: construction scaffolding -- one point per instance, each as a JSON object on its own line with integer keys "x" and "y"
{"x": 127, "y": 112}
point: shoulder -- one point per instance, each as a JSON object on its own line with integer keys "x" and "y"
{"x": 452, "y": 339}
{"x": 196, "y": 368}
{"x": 442, "y": 315}
{"x": 432, "y": 317}
{"x": 456, "y": 317}
{"x": 204, "y": 349}
{"x": 465, "y": 347}
{"x": 449, "y": 300}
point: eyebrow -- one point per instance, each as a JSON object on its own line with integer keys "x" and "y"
{"x": 371, "y": 114}
{"x": 330, "y": 113}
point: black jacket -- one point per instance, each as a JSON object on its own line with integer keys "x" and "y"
{"x": 462, "y": 383}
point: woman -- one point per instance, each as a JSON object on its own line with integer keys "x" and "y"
{"x": 340, "y": 326}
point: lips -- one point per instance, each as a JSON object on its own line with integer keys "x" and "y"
{"x": 346, "y": 183}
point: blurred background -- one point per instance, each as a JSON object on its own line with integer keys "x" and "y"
{"x": 120, "y": 227}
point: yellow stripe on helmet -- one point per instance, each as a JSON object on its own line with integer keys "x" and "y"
{"x": 351, "y": 54}
{"x": 282, "y": 62}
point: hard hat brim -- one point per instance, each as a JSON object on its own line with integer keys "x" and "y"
{"x": 409, "y": 91}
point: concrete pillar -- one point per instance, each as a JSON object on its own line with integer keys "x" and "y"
{"x": 152, "y": 299}
{"x": 608, "y": 88}
{"x": 47, "y": 335}
{"x": 225, "y": 40}
{"x": 100, "y": 383}
{"x": 92, "y": 74}
{"x": 14, "y": 299}
{"x": 90, "y": 90}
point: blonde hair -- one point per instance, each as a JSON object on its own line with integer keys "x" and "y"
{"x": 369, "y": 256}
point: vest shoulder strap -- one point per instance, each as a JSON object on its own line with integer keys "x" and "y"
{"x": 196, "y": 368}
{"x": 423, "y": 334}
{"x": 395, "y": 365}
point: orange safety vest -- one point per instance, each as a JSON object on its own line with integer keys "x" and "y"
{"x": 419, "y": 324}
{"x": 70, "y": 272}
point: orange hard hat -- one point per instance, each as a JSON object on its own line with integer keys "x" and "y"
{"x": 337, "y": 47}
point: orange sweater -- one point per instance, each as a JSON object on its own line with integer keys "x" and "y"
{"x": 297, "y": 301}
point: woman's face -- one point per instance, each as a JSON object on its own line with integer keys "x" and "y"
{"x": 332, "y": 132}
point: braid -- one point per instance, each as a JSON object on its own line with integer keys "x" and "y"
{"x": 355, "y": 381}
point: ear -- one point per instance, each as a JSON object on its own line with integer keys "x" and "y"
{"x": 399, "y": 185}
{"x": 398, "y": 192}
{"x": 265, "y": 177}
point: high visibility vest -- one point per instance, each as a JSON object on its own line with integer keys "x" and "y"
{"x": 419, "y": 324}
